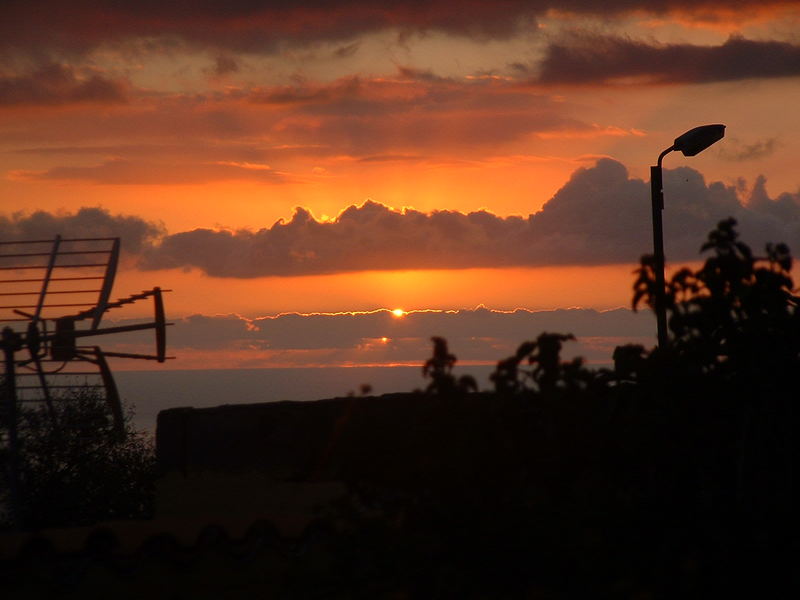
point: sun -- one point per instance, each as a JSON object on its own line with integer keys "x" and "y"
{"x": 399, "y": 312}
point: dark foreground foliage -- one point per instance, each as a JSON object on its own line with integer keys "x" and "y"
{"x": 680, "y": 459}
{"x": 81, "y": 471}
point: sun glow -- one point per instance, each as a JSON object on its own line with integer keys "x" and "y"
{"x": 399, "y": 312}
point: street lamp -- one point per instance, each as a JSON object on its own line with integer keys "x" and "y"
{"x": 690, "y": 143}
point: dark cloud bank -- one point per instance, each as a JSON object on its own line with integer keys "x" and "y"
{"x": 402, "y": 115}
{"x": 37, "y": 43}
{"x": 262, "y": 26}
{"x": 39, "y": 40}
{"x": 137, "y": 235}
{"x": 597, "y": 59}
{"x": 600, "y": 216}
{"x": 378, "y": 337}
{"x": 313, "y": 331}
{"x": 53, "y": 84}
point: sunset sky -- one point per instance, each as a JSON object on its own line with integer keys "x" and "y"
{"x": 325, "y": 157}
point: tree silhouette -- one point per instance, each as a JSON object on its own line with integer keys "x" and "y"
{"x": 545, "y": 371}
{"x": 735, "y": 347}
{"x": 737, "y": 316}
{"x": 440, "y": 370}
{"x": 80, "y": 472}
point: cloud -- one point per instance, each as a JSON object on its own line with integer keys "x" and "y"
{"x": 406, "y": 113}
{"x": 366, "y": 237}
{"x": 318, "y": 331}
{"x": 125, "y": 172}
{"x": 223, "y": 152}
{"x": 136, "y": 234}
{"x": 391, "y": 158}
{"x": 601, "y": 215}
{"x": 143, "y": 121}
{"x": 223, "y": 65}
{"x": 55, "y": 84}
{"x": 411, "y": 109}
{"x": 347, "y": 50}
{"x": 268, "y": 25}
{"x": 262, "y": 26}
{"x": 593, "y": 59}
{"x": 377, "y": 337}
{"x": 738, "y": 151}
{"x": 784, "y": 209}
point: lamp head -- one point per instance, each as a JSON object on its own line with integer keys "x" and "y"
{"x": 698, "y": 139}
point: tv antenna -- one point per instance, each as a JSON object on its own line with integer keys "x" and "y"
{"x": 53, "y": 294}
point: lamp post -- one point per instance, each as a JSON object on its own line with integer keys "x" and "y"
{"x": 690, "y": 143}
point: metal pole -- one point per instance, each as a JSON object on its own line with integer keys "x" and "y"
{"x": 657, "y": 200}
{"x": 10, "y": 343}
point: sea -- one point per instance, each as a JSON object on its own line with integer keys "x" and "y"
{"x": 149, "y": 392}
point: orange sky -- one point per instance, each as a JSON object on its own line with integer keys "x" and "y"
{"x": 228, "y": 117}
{"x": 535, "y": 288}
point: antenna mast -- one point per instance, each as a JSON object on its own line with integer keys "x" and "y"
{"x": 54, "y": 293}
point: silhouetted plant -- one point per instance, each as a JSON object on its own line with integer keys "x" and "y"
{"x": 81, "y": 473}
{"x": 735, "y": 346}
{"x": 440, "y": 370}
{"x": 736, "y": 314}
{"x": 545, "y": 370}
{"x": 629, "y": 362}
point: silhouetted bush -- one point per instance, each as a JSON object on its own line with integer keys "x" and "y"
{"x": 736, "y": 317}
{"x": 439, "y": 368}
{"x": 80, "y": 472}
{"x": 734, "y": 348}
{"x": 545, "y": 372}
{"x": 677, "y": 455}
{"x": 709, "y": 416}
